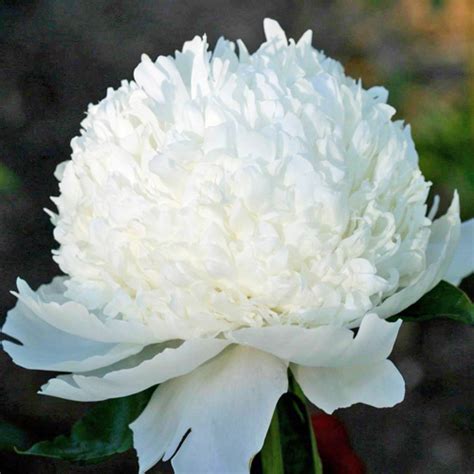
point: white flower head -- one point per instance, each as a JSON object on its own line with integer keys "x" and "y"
{"x": 226, "y": 216}
{"x": 221, "y": 191}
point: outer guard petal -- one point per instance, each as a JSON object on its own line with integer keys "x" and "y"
{"x": 325, "y": 346}
{"x": 462, "y": 263}
{"x": 227, "y": 404}
{"x": 378, "y": 384}
{"x": 121, "y": 381}
{"x": 75, "y": 319}
{"x": 45, "y": 347}
{"x": 361, "y": 374}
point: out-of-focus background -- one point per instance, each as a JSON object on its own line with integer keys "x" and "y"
{"x": 57, "y": 56}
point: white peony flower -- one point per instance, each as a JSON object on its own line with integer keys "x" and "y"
{"x": 223, "y": 218}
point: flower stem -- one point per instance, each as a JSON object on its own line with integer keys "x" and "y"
{"x": 290, "y": 445}
{"x": 271, "y": 455}
{"x": 296, "y": 390}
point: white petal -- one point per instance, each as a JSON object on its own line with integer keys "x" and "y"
{"x": 227, "y": 404}
{"x": 46, "y": 348}
{"x": 378, "y": 384}
{"x": 74, "y": 318}
{"x": 120, "y": 381}
{"x": 150, "y": 78}
{"x": 326, "y": 346}
{"x": 462, "y": 263}
{"x": 374, "y": 342}
{"x": 273, "y": 31}
{"x": 443, "y": 240}
{"x": 318, "y": 346}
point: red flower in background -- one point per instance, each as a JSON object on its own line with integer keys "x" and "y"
{"x": 334, "y": 446}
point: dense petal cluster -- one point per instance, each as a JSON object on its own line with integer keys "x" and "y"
{"x": 229, "y": 190}
{"x": 224, "y": 218}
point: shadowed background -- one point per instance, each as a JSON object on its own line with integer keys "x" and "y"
{"x": 57, "y": 56}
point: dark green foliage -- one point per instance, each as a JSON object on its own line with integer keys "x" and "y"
{"x": 12, "y": 436}
{"x": 298, "y": 452}
{"x": 444, "y": 301}
{"x": 101, "y": 433}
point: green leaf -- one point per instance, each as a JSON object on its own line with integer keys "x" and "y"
{"x": 271, "y": 455}
{"x": 8, "y": 180}
{"x": 297, "y": 445}
{"x": 298, "y": 425}
{"x": 444, "y": 301}
{"x": 12, "y": 436}
{"x": 101, "y": 433}
{"x": 290, "y": 445}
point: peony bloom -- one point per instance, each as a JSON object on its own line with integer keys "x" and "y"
{"x": 224, "y": 218}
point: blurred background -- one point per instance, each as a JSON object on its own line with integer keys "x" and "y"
{"x": 57, "y": 56}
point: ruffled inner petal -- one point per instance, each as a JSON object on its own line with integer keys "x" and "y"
{"x": 442, "y": 245}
